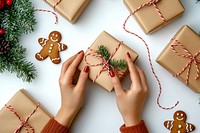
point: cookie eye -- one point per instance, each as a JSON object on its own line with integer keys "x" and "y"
{"x": 177, "y": 113}
{"x": 53, "y": 34}
{"x": 181, "y": 114}
{"x": 56, "y": 35}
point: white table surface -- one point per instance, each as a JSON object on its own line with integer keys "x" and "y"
{"x": 99, "y": 113}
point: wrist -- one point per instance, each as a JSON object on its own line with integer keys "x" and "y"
{"x": 131, "y": 121}
{"x": 65, "y": 117}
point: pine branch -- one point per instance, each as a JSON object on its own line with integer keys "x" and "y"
{"x": 118, "y": 64}
{"x": 14, "y": 61}
{"x": 17, "y": 19}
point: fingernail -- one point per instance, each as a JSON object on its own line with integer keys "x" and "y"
{"x": 86, "y": 69}
{"x": 112, "y": 74}
{"x": 80, "y": 51}
{"x": 128, "y": 54}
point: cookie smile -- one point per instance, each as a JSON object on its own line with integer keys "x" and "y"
{"x": 179, "y": 119}
{"x": 54, "y": 40}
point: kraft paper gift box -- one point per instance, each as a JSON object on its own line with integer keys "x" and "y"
{"x": 182, "y": 57}
{"x": 23, "y": 105}
{"x": 111, "y": 44}
{"x": 69, "y": 9}
{"x": 148, "y": 16}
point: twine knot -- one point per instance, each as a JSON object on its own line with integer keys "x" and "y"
{"x": 152, "y": 2}
{"x": 23, "y": 122}
{"x": 105, "y": 63}
{"x": 192, "y": 59}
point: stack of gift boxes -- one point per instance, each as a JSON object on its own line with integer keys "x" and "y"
{"x": 180, "y": 57}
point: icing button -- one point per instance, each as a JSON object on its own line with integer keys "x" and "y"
{"x": 179, "y": 126}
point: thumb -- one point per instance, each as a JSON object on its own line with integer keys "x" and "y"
{"x": 116, "y": 83}
{"x": 83, "y": 78}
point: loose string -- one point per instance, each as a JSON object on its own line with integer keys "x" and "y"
{"x": 41, "y": 10}
{"x": 152, "y": 2}
{"x": 23, "y": 122}
{"x": 105, "y": 63}
{"x": 192, "y": 59}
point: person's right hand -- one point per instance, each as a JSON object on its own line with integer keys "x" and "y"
{"x": 130, "y": 102}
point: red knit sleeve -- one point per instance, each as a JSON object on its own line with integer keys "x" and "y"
{"x": 54, "y": 127}
{"x": 139, "y": 128}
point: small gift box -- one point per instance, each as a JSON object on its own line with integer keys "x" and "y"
{"x": 23, "y": 114}
{"x": 100, "y": 64}
{"x": 182, "y": 57}
{"x": 69, "y": 9}
{"x": 154, "y": 14}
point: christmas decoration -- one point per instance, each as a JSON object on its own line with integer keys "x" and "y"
{"x": 181, "y": 57}
{"x": 2, "y": 4}
{"x": 2, "y": 31}
{"x": 69, "y": 9}
{"x": 9, "y": 2}
{"x": 16, "y": 117}
{"x": 16, "y": 20}
{"x": 4, "y": 46}
{"x": 106, "y": 54}
{"x": 154, "y": 14}
{"x": 121, "y": 64}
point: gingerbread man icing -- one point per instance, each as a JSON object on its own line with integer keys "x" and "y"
{"x": 179, "y": 124}
{"x": 51, "y": 47}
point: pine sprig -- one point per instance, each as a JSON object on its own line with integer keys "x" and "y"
{"x": 17, "y": 19}
{"x": 118, "y": 64}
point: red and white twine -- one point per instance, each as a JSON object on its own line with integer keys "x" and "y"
{"x": 151, "y": 2}
{"x": 41, "y": 10}
{"x": 105, "y": 63}
{"x": 192, "y": 59}
{"x": 24, "y": 123}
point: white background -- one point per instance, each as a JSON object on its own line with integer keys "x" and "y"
{"x": 99, "y": 113}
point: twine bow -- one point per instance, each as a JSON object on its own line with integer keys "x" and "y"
{"x": 24, "y": 123}
{"x": 105, "y": 63}
{"x": 192, "y": 59}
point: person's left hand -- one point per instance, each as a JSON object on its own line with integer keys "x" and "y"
{"x": 72, "y": 96}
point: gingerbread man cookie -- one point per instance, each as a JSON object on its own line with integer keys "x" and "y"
{"x": 51, "y": 47}
{"x": 179, "y": 124}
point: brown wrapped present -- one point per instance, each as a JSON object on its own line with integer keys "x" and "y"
{"x": 154, "y": 14}
{"x": 21, "y": 114}
{"x": 98, "y": 68}
{"x": 69, "y": 9}
{"x": 182, "y": 57}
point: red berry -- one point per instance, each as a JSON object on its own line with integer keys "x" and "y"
{"x": 2, "y": 31}
{"x": 9, "y": 2}
{"x": 1, "y": 4}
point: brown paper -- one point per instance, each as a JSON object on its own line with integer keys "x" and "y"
{"x": 69, "y": 9}
{"x": 111, "y": 43}
{"x": 148, "y": 18}
{"x": 174, "y": 63}
{"x": 23, "y": 105}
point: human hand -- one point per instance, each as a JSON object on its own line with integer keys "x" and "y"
{"x": 72, "y": 96}
{"x": 130, "y": 102}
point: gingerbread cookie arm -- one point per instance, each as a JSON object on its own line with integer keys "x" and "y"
{"x": 189, "y": 127}
{"x": 42, "y": 41}
{"x": 169, "y": 124}
{"x": 61, "y": 46}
